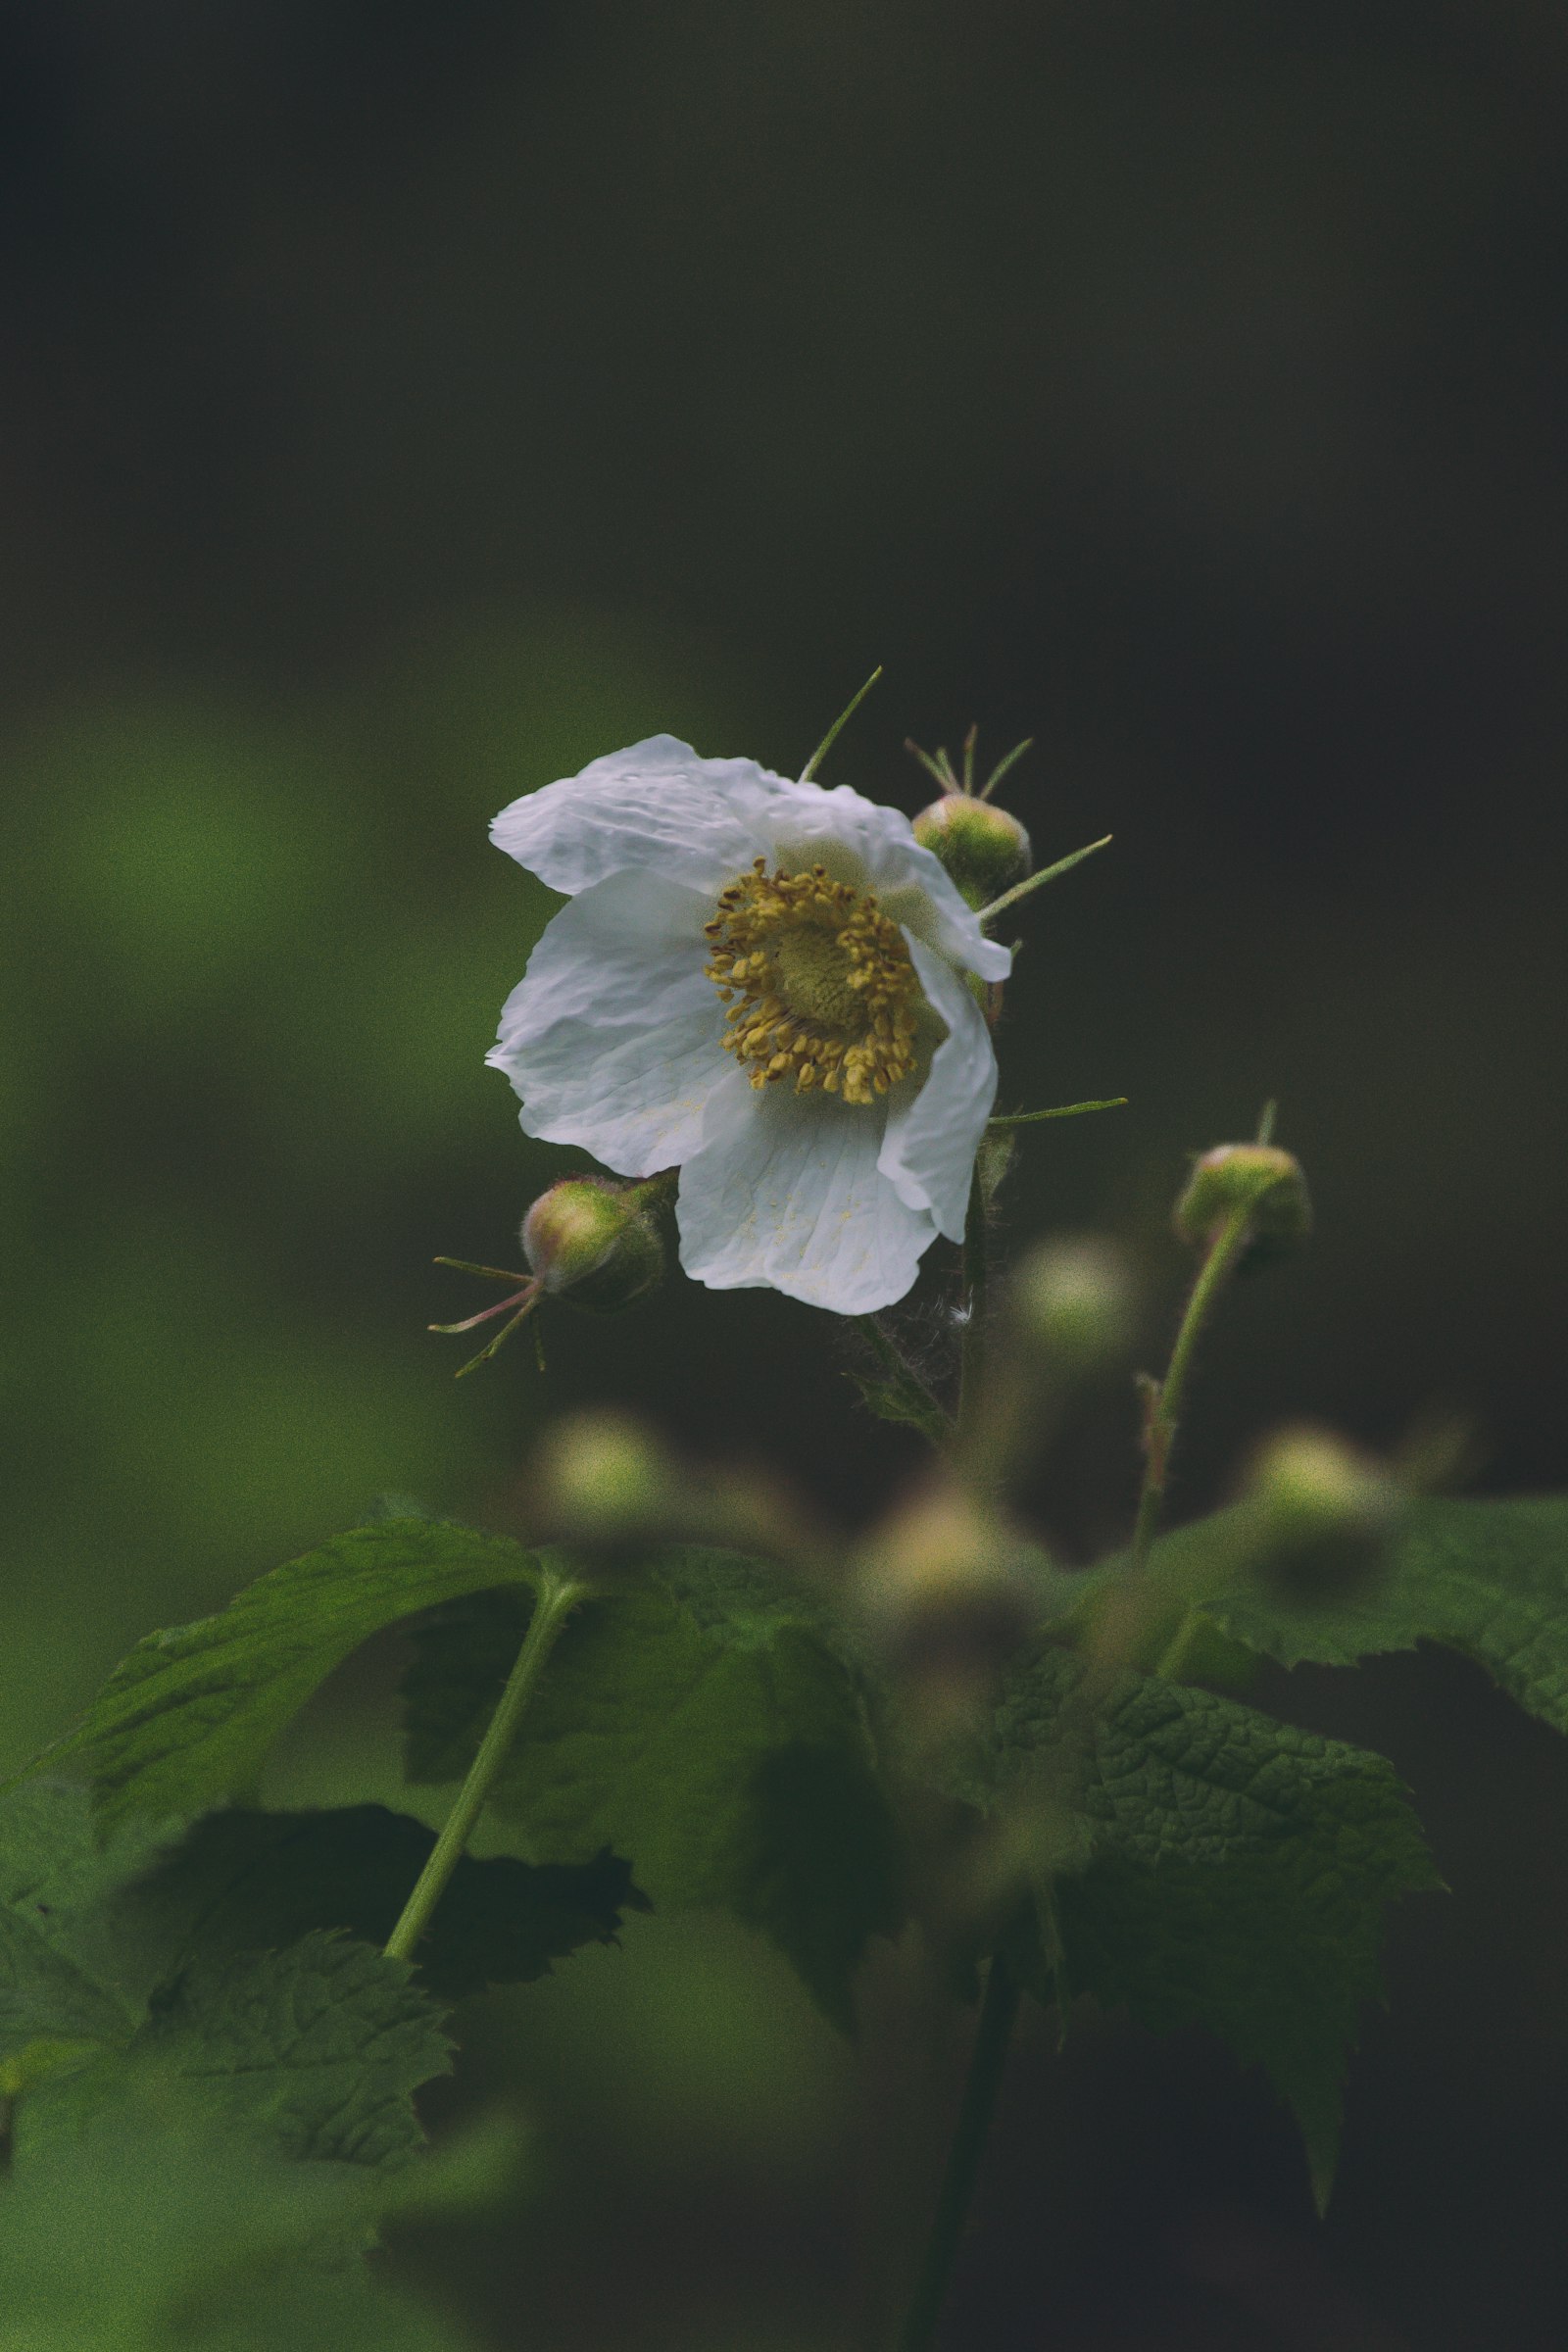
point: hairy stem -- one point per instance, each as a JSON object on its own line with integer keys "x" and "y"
{"x": 972, "y": 1359}
{"x": 557, "y": 1598}
{"x": 1166, "y": 1400}
{"x": 987, "y": 2061}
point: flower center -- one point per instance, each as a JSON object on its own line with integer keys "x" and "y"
{"x": 819, "y": 981}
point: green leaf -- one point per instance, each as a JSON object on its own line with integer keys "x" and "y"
{"x": 88, "y": 1935}
{"x": 1235, "y": 1871}
{"x": 188, "y": 1717}
{"x": 1486, "y": 1579}
{"x": 244, "y": 1881}
{"x": 318, "y": 2048}
{"x": 157, "y": 2226}
{"x": 73, "y": 1965}
{"x": 700, "y": 1722}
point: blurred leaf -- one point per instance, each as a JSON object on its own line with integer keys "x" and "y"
{"x": 1486, "y": 1579}
{"x": 702, "y": 1723}
{"x": 72, "y": 1965}
{"x": 319, "y": 2047}
{"x": 188, "y": 1717}
{"x": 1235, "y": 1871}
{"x": 156, "y": 2227}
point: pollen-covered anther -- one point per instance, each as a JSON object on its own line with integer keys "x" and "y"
{"x": 825, "y": 986}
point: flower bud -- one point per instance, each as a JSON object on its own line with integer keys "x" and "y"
{"x": 601, "y": 1478}
{"x": 1328, "y": 1511}
{"x": 1257, "y": 1176}
{"x": 947, "y": 1592}
{"x": 984, "y": 849}
{"x": 595, "y": 1242}
{"x": 1074, "y": 1299}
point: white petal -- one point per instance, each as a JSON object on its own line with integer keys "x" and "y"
{"x": 932, "y": 1139}
{"x": 614, "y": 1037}
{"x": 656, "y": 805}
{"x": 785, "y": 1192}
{"x": 876, "y": 846}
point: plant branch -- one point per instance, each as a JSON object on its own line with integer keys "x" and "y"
{"x": 987, "y": 2061}
{"x": 1165, "y": 1401}
{"x": 559, "y": 1595}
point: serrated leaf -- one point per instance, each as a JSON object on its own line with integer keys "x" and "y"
{"x": 318, "y": 2048}
{"x": 700, "y": 1722}
{"x": 187, "y": 1719}
{"x": 1488, "y": 1579}
{"x": 157, "y": 2226}
{"x": 89, "y": 1934}
{"x": 73, "y": 1965}
{"x": 1236, "y": 1871}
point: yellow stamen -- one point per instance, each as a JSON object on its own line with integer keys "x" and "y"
{"x": 818, "y": 983}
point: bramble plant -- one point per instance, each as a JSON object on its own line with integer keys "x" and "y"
{"x": 768, "y": 1008}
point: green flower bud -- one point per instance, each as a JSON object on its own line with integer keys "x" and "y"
{"x": 948, "y": 1591}
{"x": 984, "y": 849}
{"x": 1258, "y": 1177}
{"x": 1074, "y": 1299}
{"x": 595, "y": 1242}
{"x": 1328, "y": 1511}
{"x": 600, "y": 1481}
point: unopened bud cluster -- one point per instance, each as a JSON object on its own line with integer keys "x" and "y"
{"x": 947, "y": 1592}
{"x": 985, "y": 850}
{"x": 1268, "y": 1184}
{"x": 1329, "y": 1511}
{"x": 1074, "y": 1299}
{"x": 594, "y": 1241}
{"x": 600, "y": 1478}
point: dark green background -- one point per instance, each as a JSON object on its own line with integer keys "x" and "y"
{"x": 400, "y": 406}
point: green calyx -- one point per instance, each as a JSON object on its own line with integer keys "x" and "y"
{"x": 984, "y": 849}
{"x": 595, "y": 1244}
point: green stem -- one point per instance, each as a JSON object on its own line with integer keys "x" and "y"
{"x": 841, "y": 720}
{"x": 1223, "y": 1251}
{"x": 987, "y": 2061}
{"x": 972, "y": 1357}
{"x": 557, "y": 1598}
{"x": 1048, "y": 874}
{"x": 1170, "y": 1665}
{"x": 1061, "y": 1111}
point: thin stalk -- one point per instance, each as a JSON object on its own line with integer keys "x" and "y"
{"x": 1047, "y": 874}
{"x": 557, "y": 1598}
{"x": 987, "y": 2061}
{"x": 835, "y": 729}
{"x": 1060, "y": 1110}
{"x": 1166, "y": 1400}
{"x": 1008, "y": 761}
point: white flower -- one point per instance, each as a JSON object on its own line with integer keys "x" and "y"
{"x": 760, "y": 982}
